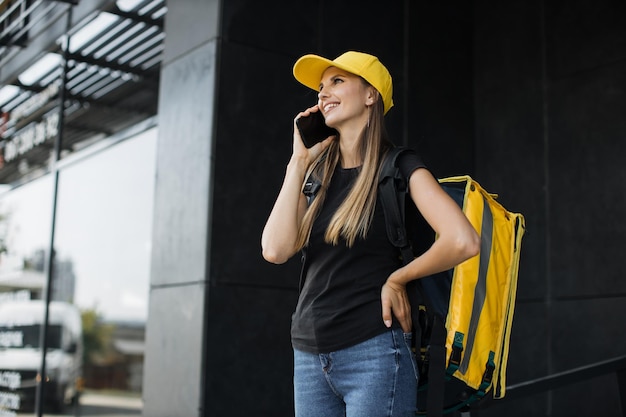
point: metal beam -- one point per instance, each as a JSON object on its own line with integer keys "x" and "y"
{"x": 136, "y": 17}
{"x": 45, "y": 41}
{"x": 112, "y": 66}
{"x": 562, "y": 379}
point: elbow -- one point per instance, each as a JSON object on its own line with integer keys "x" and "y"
{"x": 468, "y": 245}
{"x": 472, "y": 247}
{"x": 270, "y": 251}
{"x": 275, "y": 254}
{"x": 273, "y": 257}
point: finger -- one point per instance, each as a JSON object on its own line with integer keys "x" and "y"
{"x": 386, "y": 312}
{"x": 407, "y": 325}
{"x": 402, "y": 312}
{"x": 306, "y": 112}
{"x": 313, "y": 109}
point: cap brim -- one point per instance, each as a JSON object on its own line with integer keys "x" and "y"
{"x": 308, "y": 70}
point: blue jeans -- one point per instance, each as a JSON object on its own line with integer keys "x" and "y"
{"x": 375, "y": 378}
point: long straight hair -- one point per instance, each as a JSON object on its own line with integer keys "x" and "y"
{"x": 353, "y": 217}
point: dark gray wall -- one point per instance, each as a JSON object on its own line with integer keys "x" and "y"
{"x": 527, "y": 96}
{"x": 251, "y": 301}
{"x": 175, "y": 361}
{"x": 550, "y": 80}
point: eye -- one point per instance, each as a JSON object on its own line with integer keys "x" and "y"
{"x": 334, "y": 80}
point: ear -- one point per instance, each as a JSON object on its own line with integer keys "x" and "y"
{"x": 371, "y": 96}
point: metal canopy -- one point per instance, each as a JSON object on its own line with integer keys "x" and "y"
{"x": 112, "y": 77}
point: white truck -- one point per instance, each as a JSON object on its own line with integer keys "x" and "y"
{"x": 21, "y": 323}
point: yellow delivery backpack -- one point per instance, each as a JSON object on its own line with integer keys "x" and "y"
{"x": 463, "y": 322}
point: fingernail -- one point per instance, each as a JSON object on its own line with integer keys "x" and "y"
{"x": 388, "y": 323}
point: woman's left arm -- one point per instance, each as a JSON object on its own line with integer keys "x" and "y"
{"x": 457, "y": 241}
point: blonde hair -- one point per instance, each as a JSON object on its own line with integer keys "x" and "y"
{"x": 353, "y": 217}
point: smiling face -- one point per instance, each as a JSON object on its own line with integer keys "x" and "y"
{"x": 344, "y": 99}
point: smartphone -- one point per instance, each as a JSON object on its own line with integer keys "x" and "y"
{"x": 313, "y": 128}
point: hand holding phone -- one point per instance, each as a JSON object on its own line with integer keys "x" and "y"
{"x": 313, "y": 128}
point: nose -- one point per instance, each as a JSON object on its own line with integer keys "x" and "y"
{"x": 322, "y": 93}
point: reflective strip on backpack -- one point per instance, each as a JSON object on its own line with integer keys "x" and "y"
{"x": 480, "y": 291}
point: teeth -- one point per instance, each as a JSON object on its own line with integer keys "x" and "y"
{"x": 330, "y": 106}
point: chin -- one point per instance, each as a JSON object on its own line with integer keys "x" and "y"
{"x": 330, "y": 123}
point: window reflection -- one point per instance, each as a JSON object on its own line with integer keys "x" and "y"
{"x": 21, "y": 336}
{"x": 102, "y": 244}
{"x": 26, "y": 336}
{"x": 25, "y": 227}
{"x": 100, "y": 287}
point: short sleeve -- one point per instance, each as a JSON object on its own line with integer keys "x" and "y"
{"x": 409, "y": 162}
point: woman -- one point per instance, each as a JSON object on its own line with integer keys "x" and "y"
{"x": 352, "y": 326}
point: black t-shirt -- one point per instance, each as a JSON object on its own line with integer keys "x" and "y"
{"x": 339, "y": 305}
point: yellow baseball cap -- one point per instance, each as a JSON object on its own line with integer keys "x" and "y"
{"x": 309, "y": 69}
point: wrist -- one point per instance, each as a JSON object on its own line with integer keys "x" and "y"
{"x": 398, "y": 277}
{"x": 298, "y": 163}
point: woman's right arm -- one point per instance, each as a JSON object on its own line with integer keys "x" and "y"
{"x": 278, "y": 241}
{"x": 281, "y": 230}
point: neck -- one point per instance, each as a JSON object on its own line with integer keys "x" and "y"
{"x": 349, "y": 154}
{"x": 349, "y": 140}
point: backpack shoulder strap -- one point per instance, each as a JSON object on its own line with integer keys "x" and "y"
{"x": 392, "y": 190}
{"x": 311, "y": 186}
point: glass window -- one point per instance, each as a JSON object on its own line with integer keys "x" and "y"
{"x": 25, "y": 228}
{"x": 98, "y": 311}
{"x": 102, "y": 265}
